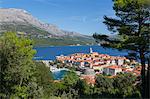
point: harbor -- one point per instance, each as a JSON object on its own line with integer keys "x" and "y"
{"x": 88, "y": 65}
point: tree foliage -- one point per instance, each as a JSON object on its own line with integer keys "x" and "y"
{"x": 44, "y": 79}
{"x": 17, "y": 68}
{"x": 121, "y": 86}
{"x": 132, "y": 26}
{"x": 124, "y": 85}
{"x": 104, "y": 84}
{"x": 20, "y": 77}
{"x": 70, "y": 78}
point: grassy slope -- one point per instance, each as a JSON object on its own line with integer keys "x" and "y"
{"x": 29, "y": 29}
{"x": 22, "y": 28}
{"x": 61, "y": 41}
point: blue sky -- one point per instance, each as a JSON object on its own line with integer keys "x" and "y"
{"x": 83, "y": 16}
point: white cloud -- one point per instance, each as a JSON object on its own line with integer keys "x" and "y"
{"x": 97, "y": 19}
{"x": 78, "y": 18}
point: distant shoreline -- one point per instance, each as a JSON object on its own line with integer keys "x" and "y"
{"x": 61, "y": 45}
{"x": 50, "y": 52}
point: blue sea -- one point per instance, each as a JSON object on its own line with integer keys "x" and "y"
{"x": 50, "y": 53}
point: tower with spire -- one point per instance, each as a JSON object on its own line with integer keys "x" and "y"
{"x": 91, "y": 50}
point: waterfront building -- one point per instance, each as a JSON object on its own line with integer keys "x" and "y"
{"x": 89, "y": 71}
{"x": 99, "y": 68}
{"x": 113, "y": 62}
{"x": 89, "y": 76}
{"x": 112, "y": 70}
{"x": 103, "y": 63}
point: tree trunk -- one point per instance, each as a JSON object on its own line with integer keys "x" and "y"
{"x": 143, "y": 86}
{"x": 148, "y": 80}
{"x": 21, "y": 80}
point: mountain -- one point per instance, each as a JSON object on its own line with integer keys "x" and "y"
{"x": 20, "y": 17}
{"x": 19, "y": 20}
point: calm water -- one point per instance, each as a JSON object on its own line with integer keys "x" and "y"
{"x": 50, "y": 53}
{"x": 59, "y": 74}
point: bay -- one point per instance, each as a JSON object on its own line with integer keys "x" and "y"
{"x": 50, "y": 52}
{"x": 59, "y": 74}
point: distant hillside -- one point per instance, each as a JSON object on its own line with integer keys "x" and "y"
{"x": 44, "y": 34}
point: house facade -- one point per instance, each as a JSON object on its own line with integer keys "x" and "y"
{"x": 112, "y": 70}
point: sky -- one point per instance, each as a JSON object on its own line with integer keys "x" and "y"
{"x": 83, "y": 16}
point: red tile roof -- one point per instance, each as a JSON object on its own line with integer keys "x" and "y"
{"x": 113, "y": 67}
{"x": 89, "y": 79}
{"x": 137, "y": 72}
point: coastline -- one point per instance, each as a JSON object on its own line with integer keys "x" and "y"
{"x": 45, "y": 46}
{"x": 50, "y": 52}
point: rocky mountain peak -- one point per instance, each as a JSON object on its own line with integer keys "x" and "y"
{"x": 20, "y": 16}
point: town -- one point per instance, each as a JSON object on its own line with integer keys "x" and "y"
{"x": 89, "y": 65}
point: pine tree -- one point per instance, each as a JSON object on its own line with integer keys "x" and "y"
{"x": 132, "y": 28}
